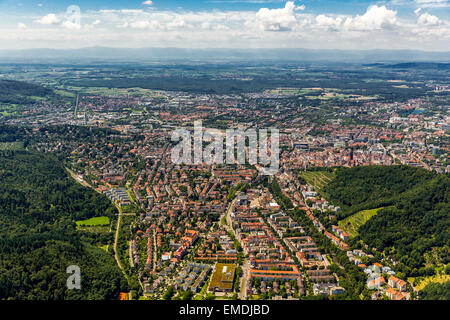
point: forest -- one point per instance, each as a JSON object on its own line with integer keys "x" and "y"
{"x": 436, "y": 291}
{"x": 416, "y": 216}
{"x": 39, "y": 204}
{"x": 17, "y": 92}
{"x": 212, "y": 85}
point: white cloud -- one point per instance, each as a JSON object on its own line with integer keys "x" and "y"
{"x": 427, "y": 19}
{"x": 375, "y": 18}
{"x": 21, "y": 26}
{"x": 376, "y": 27}
{"x": 147, "y": 3}
{"x": 178, "y": 22}
{"x": 132, "y": 11}
{"x": 143, "y": 24}
{"x": 278, "y": 19}
{"x": 138, "y": 24}
{"x": 71, "y": 25}
{"x": 433, "y": 3}
{"x": 92, "y": 25}
{"x": 123, "y": 25}
{"x": 332, "y": 24}
{"x": 51, "y": 18}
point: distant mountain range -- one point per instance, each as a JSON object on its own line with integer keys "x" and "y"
{"x": 160, "y": 54}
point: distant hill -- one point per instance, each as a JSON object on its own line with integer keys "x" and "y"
{"x": 151, "y": 54}
{"x": 416, "y": 217}
{"x": 419, "y": 65}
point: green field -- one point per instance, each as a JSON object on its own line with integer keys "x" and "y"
{"x": 351, "y": 224}
{"x": 317, "y": 178}
{"x": 96, "y": 221}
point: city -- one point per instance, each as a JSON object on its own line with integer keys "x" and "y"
{"x": 355, "y": 205}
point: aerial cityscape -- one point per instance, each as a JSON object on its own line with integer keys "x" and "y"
{"x": 293, "y": 165}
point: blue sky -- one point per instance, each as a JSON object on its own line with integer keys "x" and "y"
{"x": 339, "y": 24}
{"x": 329, "y": 6}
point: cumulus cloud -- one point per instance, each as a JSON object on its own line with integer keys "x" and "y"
{"x": 92, "y": 25}
{"x": 147, "y": 3}
{"x": 427, "y": 19}
{"x": 376, "y": 27}
{"x": 375, "y": 18}
{"x": 50, "y": 18}
{"x": 331, "y": 24}
{"x": 138, "y": 24}
{"x": 278, "y": 19}
{"x": 21, "y": 26}
{"x": 71, "y": 25}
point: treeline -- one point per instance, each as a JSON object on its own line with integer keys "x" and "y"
{"x": 205, "y": 84}
{"x": 274, "y": 188}
{"x": 39, "y": 204}
{"x": 10, "y": 133}
{"x": 415, "y": 218}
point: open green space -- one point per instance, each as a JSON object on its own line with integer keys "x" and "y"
{"x": 318, "y": 179}
{"x": 96, "y": 221}
{"x": 351, "y": 224}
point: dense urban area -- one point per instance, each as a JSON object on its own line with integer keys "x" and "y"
{"x": 358, "y": 209}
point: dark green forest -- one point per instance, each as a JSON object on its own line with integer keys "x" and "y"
{"x": 436, "y": 291}
{"x": 17, "y": 92}
{"x": 39, "y": 204}
{"x": 416, "y": 217}
{"x": 212, "y": 85}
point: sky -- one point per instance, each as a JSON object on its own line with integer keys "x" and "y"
{"x": 314, "y": 24}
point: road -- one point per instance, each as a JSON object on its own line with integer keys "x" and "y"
{"x": 116, "y": 237}
{"x": 155, "y": 254}
{"x": 242, "y": 295}
{"x": 130, "y": 250}
{"x": 228, "y": 224}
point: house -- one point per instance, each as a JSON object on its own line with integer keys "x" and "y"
{"x": 377, "y": 267}
{"x": 395, "y": 295}
{"x": 397, "y": 283}
{"x": 376, "y": 283}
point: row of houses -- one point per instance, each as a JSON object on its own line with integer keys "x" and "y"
{"x": 193, "y": 277}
